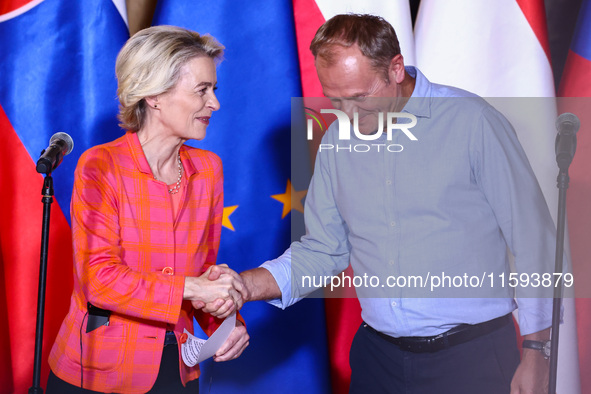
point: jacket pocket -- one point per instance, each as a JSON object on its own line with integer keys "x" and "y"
{"x": 101, "y": 350}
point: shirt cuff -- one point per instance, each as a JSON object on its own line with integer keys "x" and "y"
{"x": 535, "y": 314}
{"x": 280, "y": 268}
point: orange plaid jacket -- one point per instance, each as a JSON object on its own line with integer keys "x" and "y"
{"x": 124, "y": 236}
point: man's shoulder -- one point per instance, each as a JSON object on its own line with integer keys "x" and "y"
{"x": 440, "y": 90}
{"x": 443, "y": 97}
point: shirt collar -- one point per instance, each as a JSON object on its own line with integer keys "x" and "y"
{"x": 142, "y": 163}
{"x": 420, "y": 100}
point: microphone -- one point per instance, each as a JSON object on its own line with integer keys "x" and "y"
{"x": 60, "y": 145}
{"x": 567, "y": 125}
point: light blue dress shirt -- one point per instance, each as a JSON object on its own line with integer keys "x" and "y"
{"x": 450, "y": 203}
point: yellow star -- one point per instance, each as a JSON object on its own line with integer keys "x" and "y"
{"x": 291, "y": 199}
{"x": 226, "y": 218}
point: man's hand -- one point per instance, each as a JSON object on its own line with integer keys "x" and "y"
{"x": 531, "y": 375}
{"x": 218, "y": 286}
{"x": 234, "y": 345}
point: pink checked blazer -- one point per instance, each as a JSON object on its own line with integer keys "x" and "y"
{"x": 124, "y": 236}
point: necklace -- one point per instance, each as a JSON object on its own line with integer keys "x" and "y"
{"x": 176, "y": 187}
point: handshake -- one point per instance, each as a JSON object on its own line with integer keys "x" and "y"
{"x": 219, "y": 291}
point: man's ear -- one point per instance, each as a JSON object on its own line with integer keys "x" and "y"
{"x": 396, "y": 70}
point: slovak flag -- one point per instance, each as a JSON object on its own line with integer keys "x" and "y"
{"x": 58, "y": 75}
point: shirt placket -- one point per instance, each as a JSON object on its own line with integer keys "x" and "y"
{"x": 392, "y": 217}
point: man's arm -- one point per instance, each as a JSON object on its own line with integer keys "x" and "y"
{"x": 510, "y": 186}
{"x": 256, "y": 284}
{"x": 260, "y": 285}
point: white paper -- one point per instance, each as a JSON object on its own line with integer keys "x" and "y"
{"x": 196, "y": 350}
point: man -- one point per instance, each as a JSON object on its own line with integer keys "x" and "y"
{"x": 452, "y": 195}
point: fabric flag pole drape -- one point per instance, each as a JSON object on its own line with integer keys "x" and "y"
{"x": 343, "y": 314}
{"x": 57, "y": 65}
{"x": 251, "y": 133}
{"x": 575, "y": 87}
{"x": 501, "y": 50}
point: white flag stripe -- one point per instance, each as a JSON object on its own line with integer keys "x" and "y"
{"x": 485, "y": 44}
{"x": 396, "y": 12}
{"x": 122, "y": 8}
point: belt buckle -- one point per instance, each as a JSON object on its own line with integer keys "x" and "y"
{"x": 437, "y": 343}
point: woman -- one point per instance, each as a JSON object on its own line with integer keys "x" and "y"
{"x": 146, "y": 223}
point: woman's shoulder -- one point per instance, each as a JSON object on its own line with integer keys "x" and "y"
{"x": 108, "y": 148}
{"x": 103, "y": 155}
{"x": 202, "y": 158}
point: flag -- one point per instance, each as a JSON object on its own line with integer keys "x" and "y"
{"x": 343, "y": 315}
{"x": 251, "y": 133}
{"x": 57, "y": 65}
{"x": 500, "y": 50}
{"x": 575, "y": 87}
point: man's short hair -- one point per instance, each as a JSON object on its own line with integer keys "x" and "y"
{"x": 149, "y": 64}
{"x": 374, "y": 36}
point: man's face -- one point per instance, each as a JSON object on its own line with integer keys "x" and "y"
{"x": 353, "y": 85}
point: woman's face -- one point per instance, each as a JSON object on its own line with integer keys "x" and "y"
{"x": 186, "y": 109}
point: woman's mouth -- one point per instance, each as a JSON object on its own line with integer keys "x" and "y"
{"x": 204, "y": 119}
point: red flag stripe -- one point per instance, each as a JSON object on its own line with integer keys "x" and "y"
{"x": 572, "y": 83}
{"x": 535, "y": 13}
{"x": 19, "y": 224}
{"x": 308, "y": 19}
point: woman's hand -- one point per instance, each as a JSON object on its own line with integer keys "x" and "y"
{"x": 225, "y": 291}
{"x": 234, "y": 345}
{"x": 222, "y": 308}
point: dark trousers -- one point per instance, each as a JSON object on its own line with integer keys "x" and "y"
{"x": 167, "y": 382}
{"x": 484, "y": 365}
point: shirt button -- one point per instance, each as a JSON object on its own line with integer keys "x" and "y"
{"x": 388, "y": 182}
{"x": 394, "y": 303}
{"x": 392, "y": 223}
{"x": 168, "y": 271}
{"x": 391, "y": 262}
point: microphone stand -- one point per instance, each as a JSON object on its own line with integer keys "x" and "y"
{"x": 47, "y": 200}
{"x": 562, "y": 184}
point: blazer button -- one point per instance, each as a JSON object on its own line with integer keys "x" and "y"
{"x": 168, "y": 271}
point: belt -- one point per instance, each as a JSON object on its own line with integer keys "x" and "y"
{"x": 457, "y": 335}
{"x": 169, "y": 338}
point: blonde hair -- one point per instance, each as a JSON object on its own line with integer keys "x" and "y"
{"x": 149, "y": 64}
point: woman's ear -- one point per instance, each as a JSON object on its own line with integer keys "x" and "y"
{"x": 152, "y": 101}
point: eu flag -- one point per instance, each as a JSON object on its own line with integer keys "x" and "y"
{"x": 251, "y": 133}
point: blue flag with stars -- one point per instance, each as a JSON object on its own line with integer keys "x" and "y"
{"x": 251, "y": 134}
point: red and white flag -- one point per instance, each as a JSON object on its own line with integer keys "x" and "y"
{"x": 499, "y": 50}
{"x": 344, "y": 314}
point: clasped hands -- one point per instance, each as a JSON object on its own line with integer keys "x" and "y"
{"x": 219, "y": 291}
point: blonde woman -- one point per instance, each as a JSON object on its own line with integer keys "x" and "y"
{"x": 146, "y": 224}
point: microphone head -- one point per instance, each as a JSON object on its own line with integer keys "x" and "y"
{"x": 66, "y": 139}
{"x": 568, "y": 123}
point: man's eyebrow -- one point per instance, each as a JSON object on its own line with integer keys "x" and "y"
{"x": 354, "y": 95}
